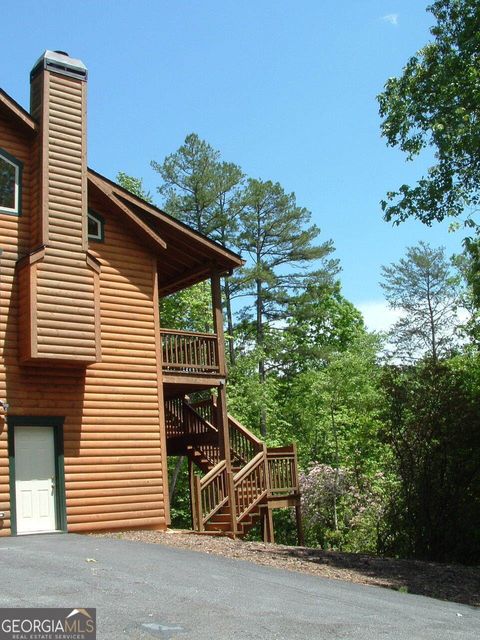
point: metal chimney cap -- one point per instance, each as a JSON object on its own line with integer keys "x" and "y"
{"x": 60, "y": 62}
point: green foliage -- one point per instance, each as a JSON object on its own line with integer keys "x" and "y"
{"x": 424, "y": 288}
{"x": 320, "y": 320}
{"x": 431, "y": 425}
{"x": 274, "y": 232}
{"x": 334, "y": 410}
{"x": 434, "y": 103}
{"x": 247, "y": 396}
{"x": 134, "y": 185}
{"x": 180, "y": 505}
{"x": 390, "y": 455}
{"x": 342, "y": 510}
{"x": 188, "y": 310}
{"x": 200, "y": 189}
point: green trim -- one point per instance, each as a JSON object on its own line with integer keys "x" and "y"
{"x": 19, "y": 164}
{"x": 60, "y": 500}
{"x": 11, "y": 480}
{"x": 101, "y": 221}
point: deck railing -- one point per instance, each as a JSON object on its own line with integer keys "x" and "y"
{"x": 189, "y": 352}
{"x": 282, "y": 470}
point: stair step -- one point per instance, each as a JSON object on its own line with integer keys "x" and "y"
{"x": 218, "y": 527}
{"x": 219, "y": 520}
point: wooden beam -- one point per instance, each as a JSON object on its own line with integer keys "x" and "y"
{"x": 108, "y": 193}
{"x": 192, "y": 380}
{"x": 199, "y": 272}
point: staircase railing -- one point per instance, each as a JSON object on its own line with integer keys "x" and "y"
{"x": 244, "y": 444}
{"x": 183, "y": 420}
{"x": 206, "y": 409}
{"x": 282, "y": 470}
{"x": 174, "y": 418}
{"x": 250, "y": 486}
{"x": 265, "y": 472}
{"x": 211, "y": 494}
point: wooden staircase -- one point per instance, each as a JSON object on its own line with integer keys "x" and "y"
{"x": 261, "y": 478}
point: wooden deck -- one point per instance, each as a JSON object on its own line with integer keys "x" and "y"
{"x": 191, "y": 360}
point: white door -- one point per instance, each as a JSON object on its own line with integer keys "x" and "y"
{"x": 35, "y": 479}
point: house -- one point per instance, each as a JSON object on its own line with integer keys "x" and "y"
{"x": 94, "y": 391}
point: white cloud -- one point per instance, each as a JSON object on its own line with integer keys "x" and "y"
{"x": 391, "y": 18}
{"x": 378, "y": 315}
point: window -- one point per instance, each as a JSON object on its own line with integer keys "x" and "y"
{"x": 96, "y": 227}
{"x": 10, "y": 181}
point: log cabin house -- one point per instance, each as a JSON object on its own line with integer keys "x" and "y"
{"x": 94, "y": 392}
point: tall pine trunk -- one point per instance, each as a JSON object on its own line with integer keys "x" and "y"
{"x": 229, "y": 314}
{"x": 261, "y": 360}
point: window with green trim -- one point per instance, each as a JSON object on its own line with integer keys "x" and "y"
{"x": 96, "y": 227}
{"x": 10, "y": 183}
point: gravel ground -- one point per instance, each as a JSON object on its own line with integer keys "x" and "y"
{"x": 443, "y": 581}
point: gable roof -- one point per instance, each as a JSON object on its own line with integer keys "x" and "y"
{"x": 187, "y": 256}
{"x": 11, "y": 109}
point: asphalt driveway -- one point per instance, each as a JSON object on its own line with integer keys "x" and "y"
{"x": 145, "y": 591}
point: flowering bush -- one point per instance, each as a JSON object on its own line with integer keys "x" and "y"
{"x": 342, "y": 510}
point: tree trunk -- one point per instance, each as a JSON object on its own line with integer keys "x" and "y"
{"x": 173, "y": 481}
{"x": 335, "y": 482}
{"x": 261, "y": 361}
{"x": 433, "y": 336}
{"x": 228, "y": 309}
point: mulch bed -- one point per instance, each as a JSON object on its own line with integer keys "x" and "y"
{"x": 456, "y": 583}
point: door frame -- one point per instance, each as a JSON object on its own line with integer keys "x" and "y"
{"x": 56, "y": 422}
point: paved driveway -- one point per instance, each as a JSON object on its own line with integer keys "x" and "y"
{"x": 147, "y": 591}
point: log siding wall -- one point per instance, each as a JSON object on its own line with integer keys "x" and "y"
{"x": 62, "y": 283}
{"x": 113, "y": 430}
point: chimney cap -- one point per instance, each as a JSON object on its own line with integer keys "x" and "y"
{"x": 60, "y": 62}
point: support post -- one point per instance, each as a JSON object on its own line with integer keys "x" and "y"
{"x": 268, "y": 533}
{"x": 192, "y": 496}
{"x": 218, "y": 322}
{"x": 222, "y": 415}
{"x": 298, "y": 518}
{"x": 198, "y": 503}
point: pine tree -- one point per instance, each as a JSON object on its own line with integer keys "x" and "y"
{"x": 276, "y": 235}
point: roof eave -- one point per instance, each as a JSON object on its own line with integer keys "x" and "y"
{"x": 17, "y": 112}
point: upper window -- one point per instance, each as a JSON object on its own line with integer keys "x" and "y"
{"x": 95, "y": 226}
{"x": 10, "y": 181}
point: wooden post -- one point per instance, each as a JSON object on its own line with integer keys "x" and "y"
{"x": 218, "y": 322}
{"x": 192, "y": 496}
{"x": 198, "y": 503}
{"x": 222, "y": 415}
{"x": 298, "y": 518}
{"x": 269, "y": 535}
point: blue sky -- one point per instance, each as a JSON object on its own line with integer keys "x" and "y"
{"x": 284, "y": 89}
